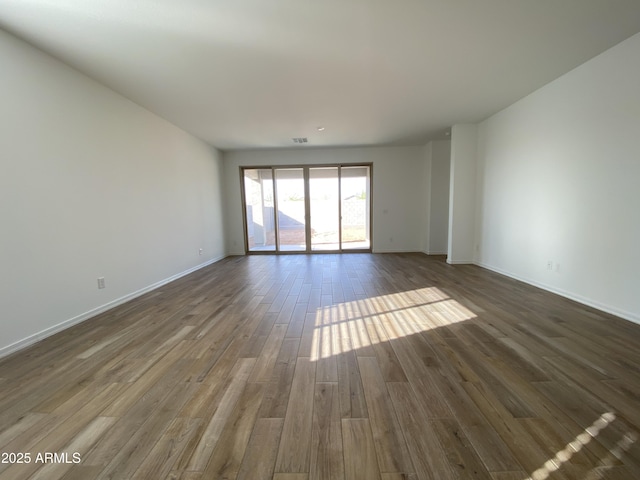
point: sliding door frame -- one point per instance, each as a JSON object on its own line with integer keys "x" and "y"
{"x": 308, "y": 247}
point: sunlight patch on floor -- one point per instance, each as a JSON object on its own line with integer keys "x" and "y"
{"x": 358, "y": 324}
{"x": 582, "y": 440}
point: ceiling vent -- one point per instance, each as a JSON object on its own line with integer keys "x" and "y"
{"x": 300, "y": 140}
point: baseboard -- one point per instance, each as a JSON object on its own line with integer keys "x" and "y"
{"x": 397, "y": 251}
{"x": 47, "y": 332}
{"x": 635, "y": 318}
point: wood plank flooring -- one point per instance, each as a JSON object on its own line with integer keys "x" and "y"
{"x": 350, "y": 367}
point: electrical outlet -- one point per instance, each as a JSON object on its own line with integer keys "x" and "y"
{"x": 200, "y": 252}
{"x": 550, "y": 265}
{"x": 101, "y": 283}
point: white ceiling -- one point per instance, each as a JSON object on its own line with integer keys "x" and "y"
{"x": 255, "y": 73}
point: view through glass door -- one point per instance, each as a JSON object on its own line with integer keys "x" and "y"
{"x": 259, "y": 210}
{"x": 324, "y": 208}
{"x": 291, "y": 209}
{"x": 324, "y": 202}
{"x": 355, "y": 191}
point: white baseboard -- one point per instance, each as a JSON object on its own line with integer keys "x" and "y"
{"x": 395, "y": 251}
{"x": 632, "y": 317}
{"x": 433, "y": 252}
{"x": 47, "y": 332}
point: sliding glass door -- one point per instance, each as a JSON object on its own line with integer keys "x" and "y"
{"x": 259, "y": 210}
{"x": 355, "y": 206}
{"x": 320, "y": 208}
{"x": 291, "y": 209}
{"x": 324, "y": 203}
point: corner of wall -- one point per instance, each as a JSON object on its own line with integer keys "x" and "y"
{"x": 426, "y": 230}
{"x": 462, "y": 196}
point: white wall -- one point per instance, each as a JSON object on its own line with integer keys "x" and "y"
{"x": 462, "y": 194}
{"x": 439, "y": 197}
{"x": 426, "y": 226}
{"x": 559, "y": 181}
{"x": 399, "y": 191}
{"x": 91, "y": 185}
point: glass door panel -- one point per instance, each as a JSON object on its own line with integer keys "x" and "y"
{"x": 258, "y": 190}
{"x": 355, "y": 191}
{"x": 291, "y": 209}
{"x": 324, "y": 203}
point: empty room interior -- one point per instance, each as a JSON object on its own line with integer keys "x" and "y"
{"x": 348, "y": 240}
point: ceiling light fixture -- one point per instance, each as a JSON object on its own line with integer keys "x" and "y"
{"x": 320, "y": 129}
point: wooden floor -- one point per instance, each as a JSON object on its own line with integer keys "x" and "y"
{"x": 347, "y": 367}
